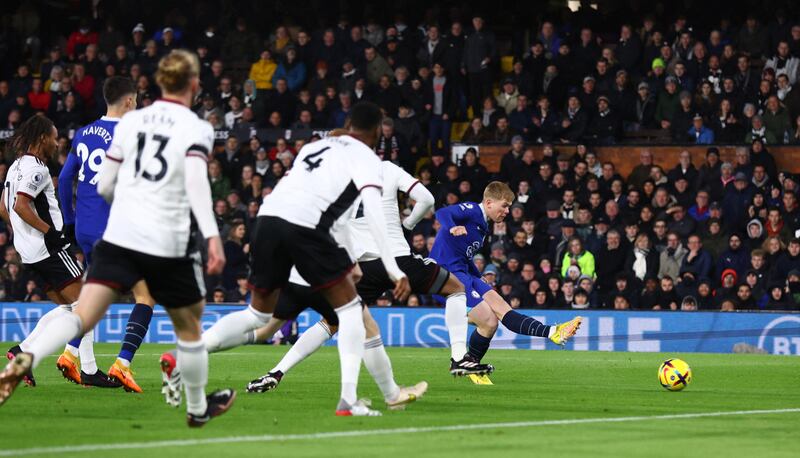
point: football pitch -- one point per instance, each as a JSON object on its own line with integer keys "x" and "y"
{"x": 542, "y": 403}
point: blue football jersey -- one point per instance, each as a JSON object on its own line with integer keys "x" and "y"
{"x": 455, "y": 253}
{"x": 89, "y": 147}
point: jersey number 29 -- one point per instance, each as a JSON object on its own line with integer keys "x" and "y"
{"x": 91, "y": 160}
{"x": 162, "y": 143}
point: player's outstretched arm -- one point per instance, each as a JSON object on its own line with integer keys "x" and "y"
{"x": 371, "y": 198}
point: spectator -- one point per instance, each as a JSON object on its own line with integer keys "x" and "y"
{"x": 574, "y": 122}
{"x": 479, "y": 52}
{"x": 508, "y": 97}
{"x": 642, "y": 259}
{"x": 784, "y": 63}
{"x": 440, "y": 103}
{"x": 701, "y": 134}
{"x": 263, "y": 70}
{"x": 672, "y": 257}
{"x": 577, "y": 255}
{"x": 668, "y": 104}
{"x": 776, "y": 120}
{"x": 291, "y": 69}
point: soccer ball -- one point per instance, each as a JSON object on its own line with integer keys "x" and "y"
{"x": 674, "y": 374}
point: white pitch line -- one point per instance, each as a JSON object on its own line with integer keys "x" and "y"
{"x": 372, "y": 432}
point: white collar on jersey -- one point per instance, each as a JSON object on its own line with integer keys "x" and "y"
{"x": 483, "y": 210}
{"x": 109, "y": 118}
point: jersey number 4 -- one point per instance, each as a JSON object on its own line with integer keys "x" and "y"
{"x": 162, "y": 143}
{"x": 312, "y": 164}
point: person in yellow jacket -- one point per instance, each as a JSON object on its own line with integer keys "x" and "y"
{"x": 262, "y": 70}
{"x": 576, "y": 255}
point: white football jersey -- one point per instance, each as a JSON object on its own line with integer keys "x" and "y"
{"x": 325, "y": 180}
{"x": 30, "y": 176}
{"x": 150, "y": 213}
{"x": 394, "y": 179}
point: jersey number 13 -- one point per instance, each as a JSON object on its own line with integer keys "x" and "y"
{"x": 158, "y": 156}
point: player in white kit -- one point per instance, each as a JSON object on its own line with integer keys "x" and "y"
{"x": 425, "y": 277}
{"x": 30, "y": 207}
{"x": 294, "y": 229}
{"x": 155, "y": 173}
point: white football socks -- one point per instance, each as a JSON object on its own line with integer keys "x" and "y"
{"x": 455, "y": 317}
{"x": 59, "y": 330}
{"x": 86, "y": 351}
{"x": 233, "y": 329}
{"x": 309, "y": 342}
{"x": 193, "y": 365}
{"x": 380, "y": 367}
{"x": 42, "y": 323}
{"x": 351, "y": 347}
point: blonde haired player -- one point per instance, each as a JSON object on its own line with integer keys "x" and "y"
{"x": 463, "y": 229}
{"x": 155, "y": 173}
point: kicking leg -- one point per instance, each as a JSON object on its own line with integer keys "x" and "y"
{"x": 135, "y": 330}
{"x": 522, "y": 324}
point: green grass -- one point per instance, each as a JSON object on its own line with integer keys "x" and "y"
{"x": 529, "y": 386}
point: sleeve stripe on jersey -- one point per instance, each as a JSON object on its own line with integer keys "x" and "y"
{"x": 196, "y": 154}
{"x": 26, "y": 195}
{"x": 197, "y": 149}
{"x": 113, "y": 158}
{"x": 377, "y": 186}
{"x": 412, "y": 187}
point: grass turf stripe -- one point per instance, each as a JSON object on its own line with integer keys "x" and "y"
{"x": 374, "y": 432}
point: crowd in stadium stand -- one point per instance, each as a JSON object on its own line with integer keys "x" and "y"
{"x": 723, "y": 236}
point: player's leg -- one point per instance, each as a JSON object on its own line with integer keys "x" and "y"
{"x": 37, "y": 330}
{"x": 310, "y": 341}
{"x": 265, "y": 332}
{"x": 343, "y": 298}
{"x": 485, "y": 326}
{"x": 58, "y": 331}
{"x": 193, "y": 365}
{"x": 455, "y": 316}
{"x": 67, "y": 363}
{"x": 379, "y": 366}
{"x": 89, "y": 373}
{"x": 135, "y": 330}
{"x": 235, "y": 329}
{"x": 292, "y": 301}
{"x": 178, "y": 285}
{"x": 523, "y": 324}
{"x": 270, "y": 266}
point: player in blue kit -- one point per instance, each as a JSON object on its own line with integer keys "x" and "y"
{"x": 463, "y": 229}
{"x": 86, "y": 224}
